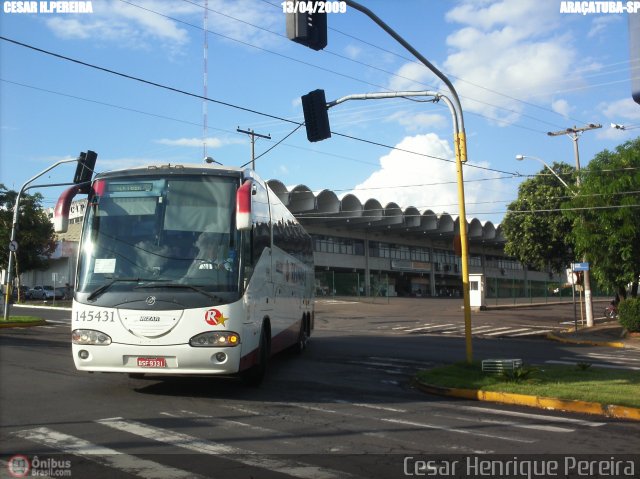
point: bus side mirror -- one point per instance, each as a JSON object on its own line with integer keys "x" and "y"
{"x": 243, "y": 206}
{"x": 61, "y": 211}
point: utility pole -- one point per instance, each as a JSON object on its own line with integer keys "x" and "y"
{"x": 574, "y": 133}
{"x": 253, "y": 135}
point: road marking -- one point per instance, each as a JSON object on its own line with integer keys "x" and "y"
{"x": 527, "y": 415}
{"x": 597, "y": 365}
{"x": 411, "y": 362}
{"x": 250, "y": 458}
{"x": 512, "y": 331}
{"x": 542, "y": 331}
{"x": 104, "y": 455}
{"x": 613, "y": 357}
{"x": 435, "y": 326}
{"x": 231, "y": 424}
{"x": 408, "y": 326}
{"x": 484, "y": 328}
{"x": 541, "y": 427}
{"x": 411, "y": 423}
{"x": 371, "y": 406}
{"x": 497, "y": 331}
{"x": 456, "y": 430}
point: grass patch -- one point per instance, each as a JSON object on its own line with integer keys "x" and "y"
{"x": 22, "y": 319}
{"x": 606, "y": 386}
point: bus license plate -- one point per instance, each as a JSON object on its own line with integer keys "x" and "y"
{"x": 152, "y": 363}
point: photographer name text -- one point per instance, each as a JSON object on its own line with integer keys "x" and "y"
{"x": 48, "y": 7}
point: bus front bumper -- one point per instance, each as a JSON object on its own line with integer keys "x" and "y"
{"x": 165, "y": 360}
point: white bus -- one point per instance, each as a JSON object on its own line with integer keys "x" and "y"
{"x": 187, "y": 270}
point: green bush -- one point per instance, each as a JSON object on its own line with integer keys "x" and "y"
{"x": 629, "y": 314}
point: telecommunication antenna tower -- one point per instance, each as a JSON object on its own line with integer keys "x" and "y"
{"x": 205, "y": 78}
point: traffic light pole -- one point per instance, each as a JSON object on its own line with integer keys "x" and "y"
{"x": 13, "y": 245}
{"x": 460, "y": 147}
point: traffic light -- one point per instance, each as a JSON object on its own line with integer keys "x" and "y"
{"x": 86, "y": 164}
{"x": 316, "y": 117}
{"x": 308, "y": 29}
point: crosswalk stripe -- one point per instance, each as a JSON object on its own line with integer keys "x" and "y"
{"x": 512, "y": 332}
{"x": 528, "y": 415}
{"x": 435, "y": 326}
{"x": 250, "y": 458}
{"x": 496, "y": 331}
{"x": 613, "y": 357}
{"x": 530, "y": 333}
{"x": 104, "y": 455}
{"x": 502, "y": 422}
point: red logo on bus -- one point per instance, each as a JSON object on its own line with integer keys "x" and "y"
{"x": 214, "y": 317}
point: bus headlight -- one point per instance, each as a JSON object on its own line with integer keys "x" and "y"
{"x": 89, "y": 336}
{"x": 216, "y": 339}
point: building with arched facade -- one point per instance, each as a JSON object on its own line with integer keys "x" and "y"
{"x": 372, "y": 249}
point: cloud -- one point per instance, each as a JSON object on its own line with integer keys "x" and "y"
{"x": 498, "y": 46}
{"x": 197, "y": 142}
{"x": 413, "y": 76}
{"x": 419, "y": 121}
{"x": 234, "y": 18}
{"x": 126, "y": 25}
{"x": 561, "y": 107}
{"x": 621, "y": 110}
{"x": 353, "y": 51}
{"x": 430, "y": 183}
{"x": 601, "y": 23}
{"x": 144, "y": 26}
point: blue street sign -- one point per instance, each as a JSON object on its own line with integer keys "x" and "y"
{"x": 579, "y": 266}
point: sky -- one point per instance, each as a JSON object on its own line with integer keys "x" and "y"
{"x": 521, "y": 68}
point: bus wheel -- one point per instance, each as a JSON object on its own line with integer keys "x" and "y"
{"x": 303, "y": 337}
{"x": 255, "y": 375}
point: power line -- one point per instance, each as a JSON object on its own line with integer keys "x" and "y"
{"x": 230, "y": 105}
{"x": 348, "y": 59}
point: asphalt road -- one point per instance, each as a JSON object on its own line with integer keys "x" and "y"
{"x": 344, "y": 408}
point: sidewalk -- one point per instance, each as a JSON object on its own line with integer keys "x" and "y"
{"x": 604, "y": 333}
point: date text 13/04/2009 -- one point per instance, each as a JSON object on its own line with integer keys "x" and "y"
{"x": 313, "y": 7}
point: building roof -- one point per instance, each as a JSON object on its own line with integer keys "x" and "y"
{"x": 325, "y": 208}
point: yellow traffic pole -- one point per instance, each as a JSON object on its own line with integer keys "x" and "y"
{"x": 461, "y": 157}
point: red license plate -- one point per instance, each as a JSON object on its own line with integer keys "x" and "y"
{"x": 152, "y": 362}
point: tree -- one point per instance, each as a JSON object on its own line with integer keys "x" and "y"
{"x": 606, "y": 217}
{"x": 35, "y": 233}
{"x": 534, "y": 226}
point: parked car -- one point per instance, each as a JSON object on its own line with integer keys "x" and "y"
{"x": 25, "y": 293}
{"x": 46, "y": 292}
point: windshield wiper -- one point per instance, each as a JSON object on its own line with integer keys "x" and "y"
{"x": 182, "y": 286}
{"x": 94, "y": 294}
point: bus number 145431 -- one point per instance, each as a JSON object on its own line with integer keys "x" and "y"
{"x": 97, "y": 316}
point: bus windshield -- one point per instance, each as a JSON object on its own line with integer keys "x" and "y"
{"x": 162, "y": 236}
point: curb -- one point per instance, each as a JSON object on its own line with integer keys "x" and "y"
{"x": 583, "y": 407}
{"x": 611, "y": 344}
{"x": 10, "y": 324}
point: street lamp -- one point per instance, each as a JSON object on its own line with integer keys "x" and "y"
{"x": 522, "y": 157}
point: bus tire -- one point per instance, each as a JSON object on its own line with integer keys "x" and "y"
{"x": 256, "y": 373}
{"x": 303, "y": 336}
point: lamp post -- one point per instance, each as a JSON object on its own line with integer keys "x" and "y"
{"x": 574, "y": 133}
{"x": 522, "y": 157}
